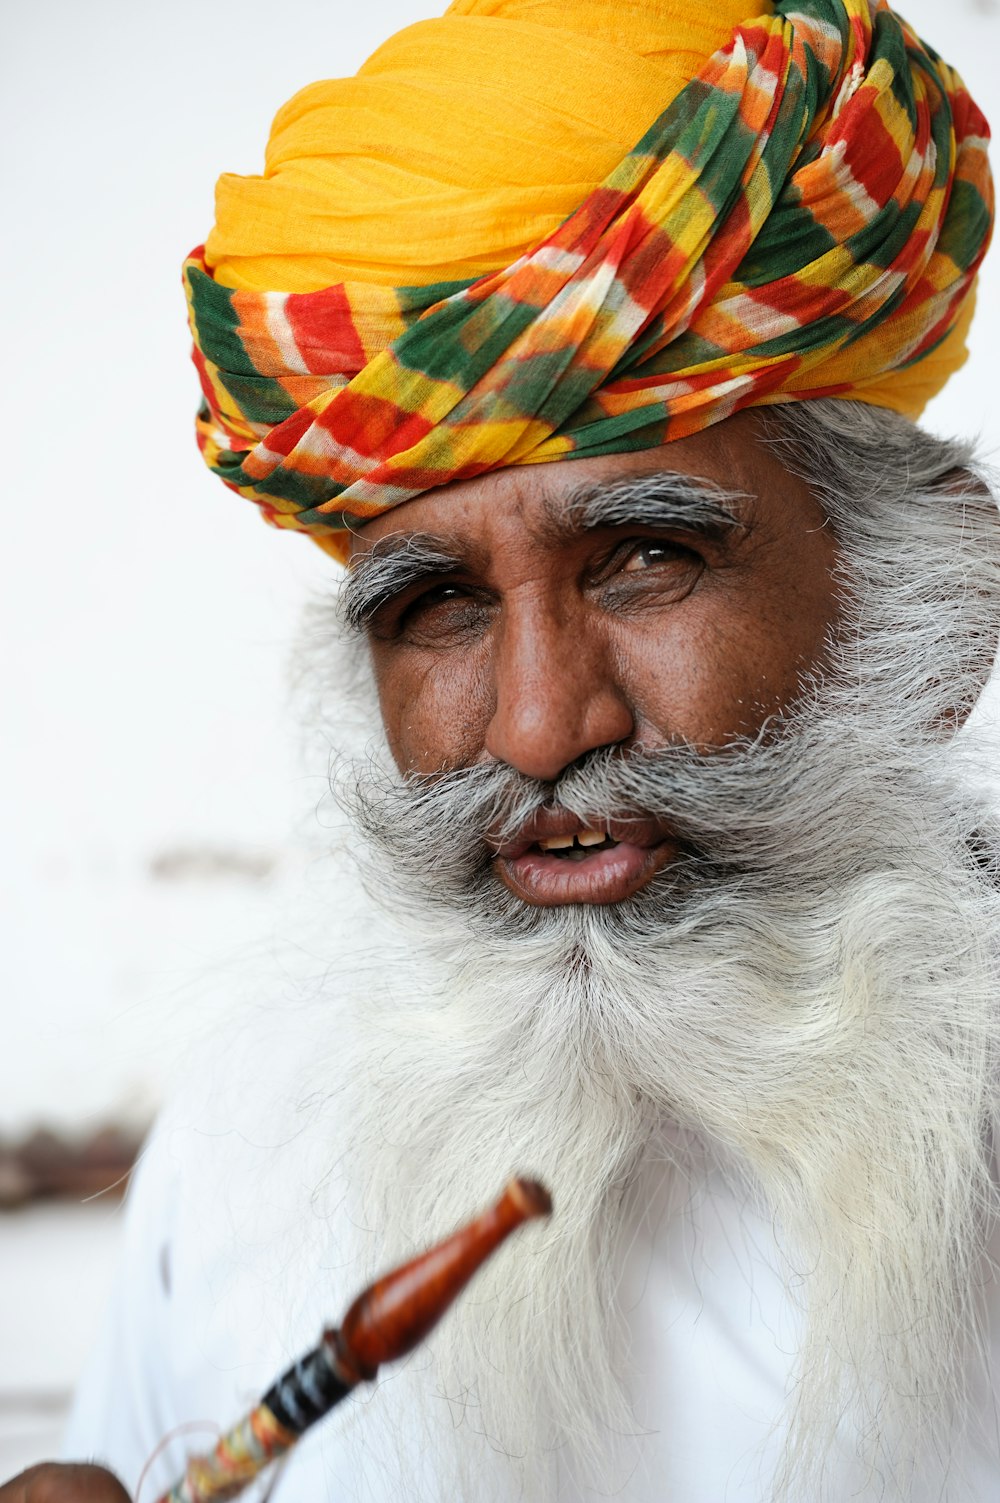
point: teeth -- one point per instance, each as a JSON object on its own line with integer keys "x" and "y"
{"x": 565, "y": 842}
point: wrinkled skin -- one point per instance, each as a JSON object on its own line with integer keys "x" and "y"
{"x": 541, "y": 646}
{"x": 535, "y": 659}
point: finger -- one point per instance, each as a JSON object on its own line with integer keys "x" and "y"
{"x": 52, "y": 1482}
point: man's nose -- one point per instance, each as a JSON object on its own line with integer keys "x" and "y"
{"x": 556, "y": 695}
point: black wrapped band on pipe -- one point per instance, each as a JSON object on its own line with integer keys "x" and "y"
{"x": 308, "y": 1390}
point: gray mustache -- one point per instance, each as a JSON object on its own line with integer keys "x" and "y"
{"x": 746, "y": 802}
{"x": 816, "y": 795}
{"x": 825, "y": 804}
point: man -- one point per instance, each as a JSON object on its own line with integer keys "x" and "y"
{"x": 667, "y": 873}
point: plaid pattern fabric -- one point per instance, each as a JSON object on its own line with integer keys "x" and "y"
{"x": 807, "y": 216}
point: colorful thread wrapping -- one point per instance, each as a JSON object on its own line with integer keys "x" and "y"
{"x": 805, "y": 219}
{"x": 240, "y": 1456}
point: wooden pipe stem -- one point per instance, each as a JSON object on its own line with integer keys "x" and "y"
{"x": 392, "y": 1316}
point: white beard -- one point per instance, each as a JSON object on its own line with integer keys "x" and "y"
{"x": 839, "y": 1045}
{"x": 820, "y": 1011}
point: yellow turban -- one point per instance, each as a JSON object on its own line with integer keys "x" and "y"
{"x": 460, "y": 143}
{"x": 539, "y": 229}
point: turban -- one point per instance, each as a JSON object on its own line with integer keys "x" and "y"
{"x": 534, "y": 230}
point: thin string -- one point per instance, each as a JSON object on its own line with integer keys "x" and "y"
{"x": 171, "y": 1435}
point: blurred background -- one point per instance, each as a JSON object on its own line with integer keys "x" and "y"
{"x": 152, "y": 785}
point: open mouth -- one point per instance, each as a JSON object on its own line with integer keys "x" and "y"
{"x": 556, "y": 859}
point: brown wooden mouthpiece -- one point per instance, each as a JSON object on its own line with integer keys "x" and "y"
{"x": 398, "y": 1311}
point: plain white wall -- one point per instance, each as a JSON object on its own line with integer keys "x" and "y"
{"x": 147, "y": 613}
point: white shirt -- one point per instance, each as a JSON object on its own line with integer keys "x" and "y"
{"x": 212, "y": 1305}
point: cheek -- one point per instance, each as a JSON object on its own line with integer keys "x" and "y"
{"x": 433, "y": 707}
{"x": 720, "y": 668}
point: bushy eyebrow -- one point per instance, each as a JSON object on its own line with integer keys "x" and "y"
{"x": 393, "y": 565}
{"x": 664, "y": 499}
{"x": 399, "y": 561}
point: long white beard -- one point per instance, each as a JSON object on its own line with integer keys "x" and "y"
{"x": 813, "y": 996}
{"x": 820, "y": 1004}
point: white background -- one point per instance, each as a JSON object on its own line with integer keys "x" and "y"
{"x": 147, "y": 612}
{"x": 148, "y": 775}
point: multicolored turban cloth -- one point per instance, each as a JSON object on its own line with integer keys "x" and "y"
{"x": 804, "y": 219}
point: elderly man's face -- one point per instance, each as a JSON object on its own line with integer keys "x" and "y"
{"x": 539, "y": 612}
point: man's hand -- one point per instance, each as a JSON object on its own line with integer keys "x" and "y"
{"x": 73, "y": 1483}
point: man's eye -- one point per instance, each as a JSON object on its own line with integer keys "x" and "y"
{"x": 647, "y": 555}
{"x": 442, "y": 613}
{"x": 438, "y": 595}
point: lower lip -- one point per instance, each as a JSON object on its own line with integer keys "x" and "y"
{"x": 607, "y": 876}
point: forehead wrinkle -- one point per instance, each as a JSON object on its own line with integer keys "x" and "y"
{"x": 423, "y": 551}
{"x": 395, "y": 547}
